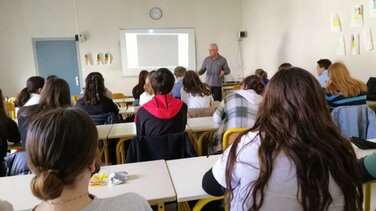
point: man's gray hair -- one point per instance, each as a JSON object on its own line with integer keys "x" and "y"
{"x": 213, "y": 46}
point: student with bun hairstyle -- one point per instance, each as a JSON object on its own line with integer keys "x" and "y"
{"x": 293, "y": 158}
{"x": 238, "y": 109}
{"x": 55, "y": 94}
{"x": 62, "y": 159}
{"x": 30, "y": 95}
{"x": 195, "y": 93}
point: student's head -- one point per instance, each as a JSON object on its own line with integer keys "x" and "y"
{"x": 142, "y": 77}
{"x": 322, "y": 64}
{"x": 162, "y": 81}
{"x": 61, "y": 147}
{"x": 179, "y": 72}
{"x": 34, "y": 85}
{"x": 340, "y": 81}
{"x": 213, "y": 49}
{"x": 51, "y": 76}
{"x": 261, "y": 73}
{"x": 284, "y": 66}
{"x": 193, "y": 85}
{"x": 55, "y": 94}
{"x": 94, "y": 88}
{"x": 294, "y": 121}
{"x": 253, "y": 82}
{"x": 147, "y": 87}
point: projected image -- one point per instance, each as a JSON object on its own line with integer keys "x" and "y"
{"x": 152, "y": 49}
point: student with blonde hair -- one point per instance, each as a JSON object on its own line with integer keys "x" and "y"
{"x": 148, "y": 93}
{"x": 342, "y": 89}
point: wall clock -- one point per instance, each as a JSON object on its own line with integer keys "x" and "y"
{"x": 155, "y": 13}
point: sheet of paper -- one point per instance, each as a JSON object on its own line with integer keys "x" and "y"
{"x": 368, "y": 40}
{"x": 335, "y": 23}
{"x": 357, "y": 16}
{"x": 372, "y": 12}
{"x": 341, "y": 50}
{"x": 355, "y": 44}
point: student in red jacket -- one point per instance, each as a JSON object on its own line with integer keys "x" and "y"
{"x": 163, "y": 114}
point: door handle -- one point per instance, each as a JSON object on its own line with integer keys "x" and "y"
{"x": 77, "y": 84}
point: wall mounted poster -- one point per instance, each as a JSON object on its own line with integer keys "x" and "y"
{"x": 335, "y": 23}
{"x": 341, "y": 50}
{"x": 368, "y": 40}
{"x": 372, "y": 12}
{"x": 354, "y": 44}
{"x": 357, "y": 16}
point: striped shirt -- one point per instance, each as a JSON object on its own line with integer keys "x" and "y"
{"x": 340, "y": 100}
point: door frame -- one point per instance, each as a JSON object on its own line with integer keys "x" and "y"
{"x": 34, "y": 40}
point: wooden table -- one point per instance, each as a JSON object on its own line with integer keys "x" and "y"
{"x": 186, "y": 175}
{"x": 151, "y": 180}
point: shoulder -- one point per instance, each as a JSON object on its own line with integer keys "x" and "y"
{"x": 128, "y": 201}
{"x": 5, "y": 206}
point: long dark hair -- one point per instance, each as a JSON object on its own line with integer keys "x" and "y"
{"x": 3, "y": 115}
{"x": 141, "y": 79}
{"x": 294, "y": 119}
{"x": 57, "y": 151}
{"x": 55, "y": 94}
{"x": 192, "y": 84}
{"x": 94, "y": 88}
{"x": 33, "y": 84}
{"x": 253, "y": 82}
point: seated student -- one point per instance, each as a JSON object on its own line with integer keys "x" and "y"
{"x": 195, "y": 93}
{"x": 108, "y": 92}
{"x": 322, "y": 71}
{"x": 95, "y": 102}
{"x": 284, "y": 66}
{"x": 163, "y": 114}
{"x": 62, "y": 158}
{"x": 342, "y": 89}
{"x": 148, "y": 93}
{"x": 293, "y": 158}
{"x": 55, "y": 94}
{"x": 179, "y": 73}
{"x": 263, "y": 75}
{"x": 368, "y": 167}
{"x": 139, "y": 88}
{"x": 30, "y": 95}
{"x": 238, "y": 109}
{"x": 8, "y": 132}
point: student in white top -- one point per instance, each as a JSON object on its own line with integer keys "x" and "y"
{"x": 293, "y": 158}
{"x": 195, "y": 93}
{"x": 148, "y": 93}
{"x": 30, "y": 95}
{"x": 62, "y": 158}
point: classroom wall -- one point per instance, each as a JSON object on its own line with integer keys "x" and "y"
{"x": 213, "y": 20}
{"x": 299, "y": 32}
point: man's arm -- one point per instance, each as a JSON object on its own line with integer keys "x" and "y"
{"x": 226, "y": 69}
{"x": 202, "y": 70}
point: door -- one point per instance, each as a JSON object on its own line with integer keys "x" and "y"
{"x": 58, "y": 57}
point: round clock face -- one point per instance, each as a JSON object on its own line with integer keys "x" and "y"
{"x": 155, "y": 13}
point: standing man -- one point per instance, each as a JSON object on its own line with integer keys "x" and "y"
{"x": 216, "y": 67}
{"x": 322, "y": 70}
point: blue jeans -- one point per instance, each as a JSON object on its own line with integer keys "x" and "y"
{"x": 216, "y": 92}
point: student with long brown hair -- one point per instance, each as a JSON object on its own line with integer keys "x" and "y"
{"x": 342, "y": 89}
{"x": 195, "y": 93}
{"x": 61, "y": 151}
{"x": 30, "y": 95}
{"x": 293, "y": 158}
{"x": 139, "y": 88}
{"x": 55, "y": 94}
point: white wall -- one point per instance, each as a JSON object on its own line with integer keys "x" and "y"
{"x": 20, "y": 21}
{"x": 298, "y": 31}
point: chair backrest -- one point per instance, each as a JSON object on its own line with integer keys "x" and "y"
{"x": 166, "y": 147}
{"x": 358, "y": 121}
{"x": 118, "y": 95}
{"x": 74, "y": 99}
{"x": 203, "y": 112}
{"x": 230, "y": 135}
{"x": 10, "y": 109}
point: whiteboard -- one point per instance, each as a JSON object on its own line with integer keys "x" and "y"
{"x": 150, "y": 49}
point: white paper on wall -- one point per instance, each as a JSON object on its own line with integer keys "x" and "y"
{"x": 341, "y": 50}
{"x": 107, "y": 58}
{"x": 355, "y": 44}
{"x": 335, "y": 23}
{"x": 98, "y": 59}
{"x": 372, "y": 12}
{"x": 357, "y": 19}
{"x": 88, "y": 59}
{"x": 368, "y": 40}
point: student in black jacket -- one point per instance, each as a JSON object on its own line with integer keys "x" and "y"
{"x": 163, "y": 114}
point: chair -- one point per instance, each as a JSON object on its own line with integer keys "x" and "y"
{"x": 228, "y": 138}
{"x": 10, "y": 110}
{"x": 203, "y": 112}
{"x": 74, "y": 99}
{"x": 166, "y": 147}
{"x": 367, "y": 196}
{"x": 118, "y": 95}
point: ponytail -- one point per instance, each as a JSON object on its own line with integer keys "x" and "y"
{"x": 22, "y": 97}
